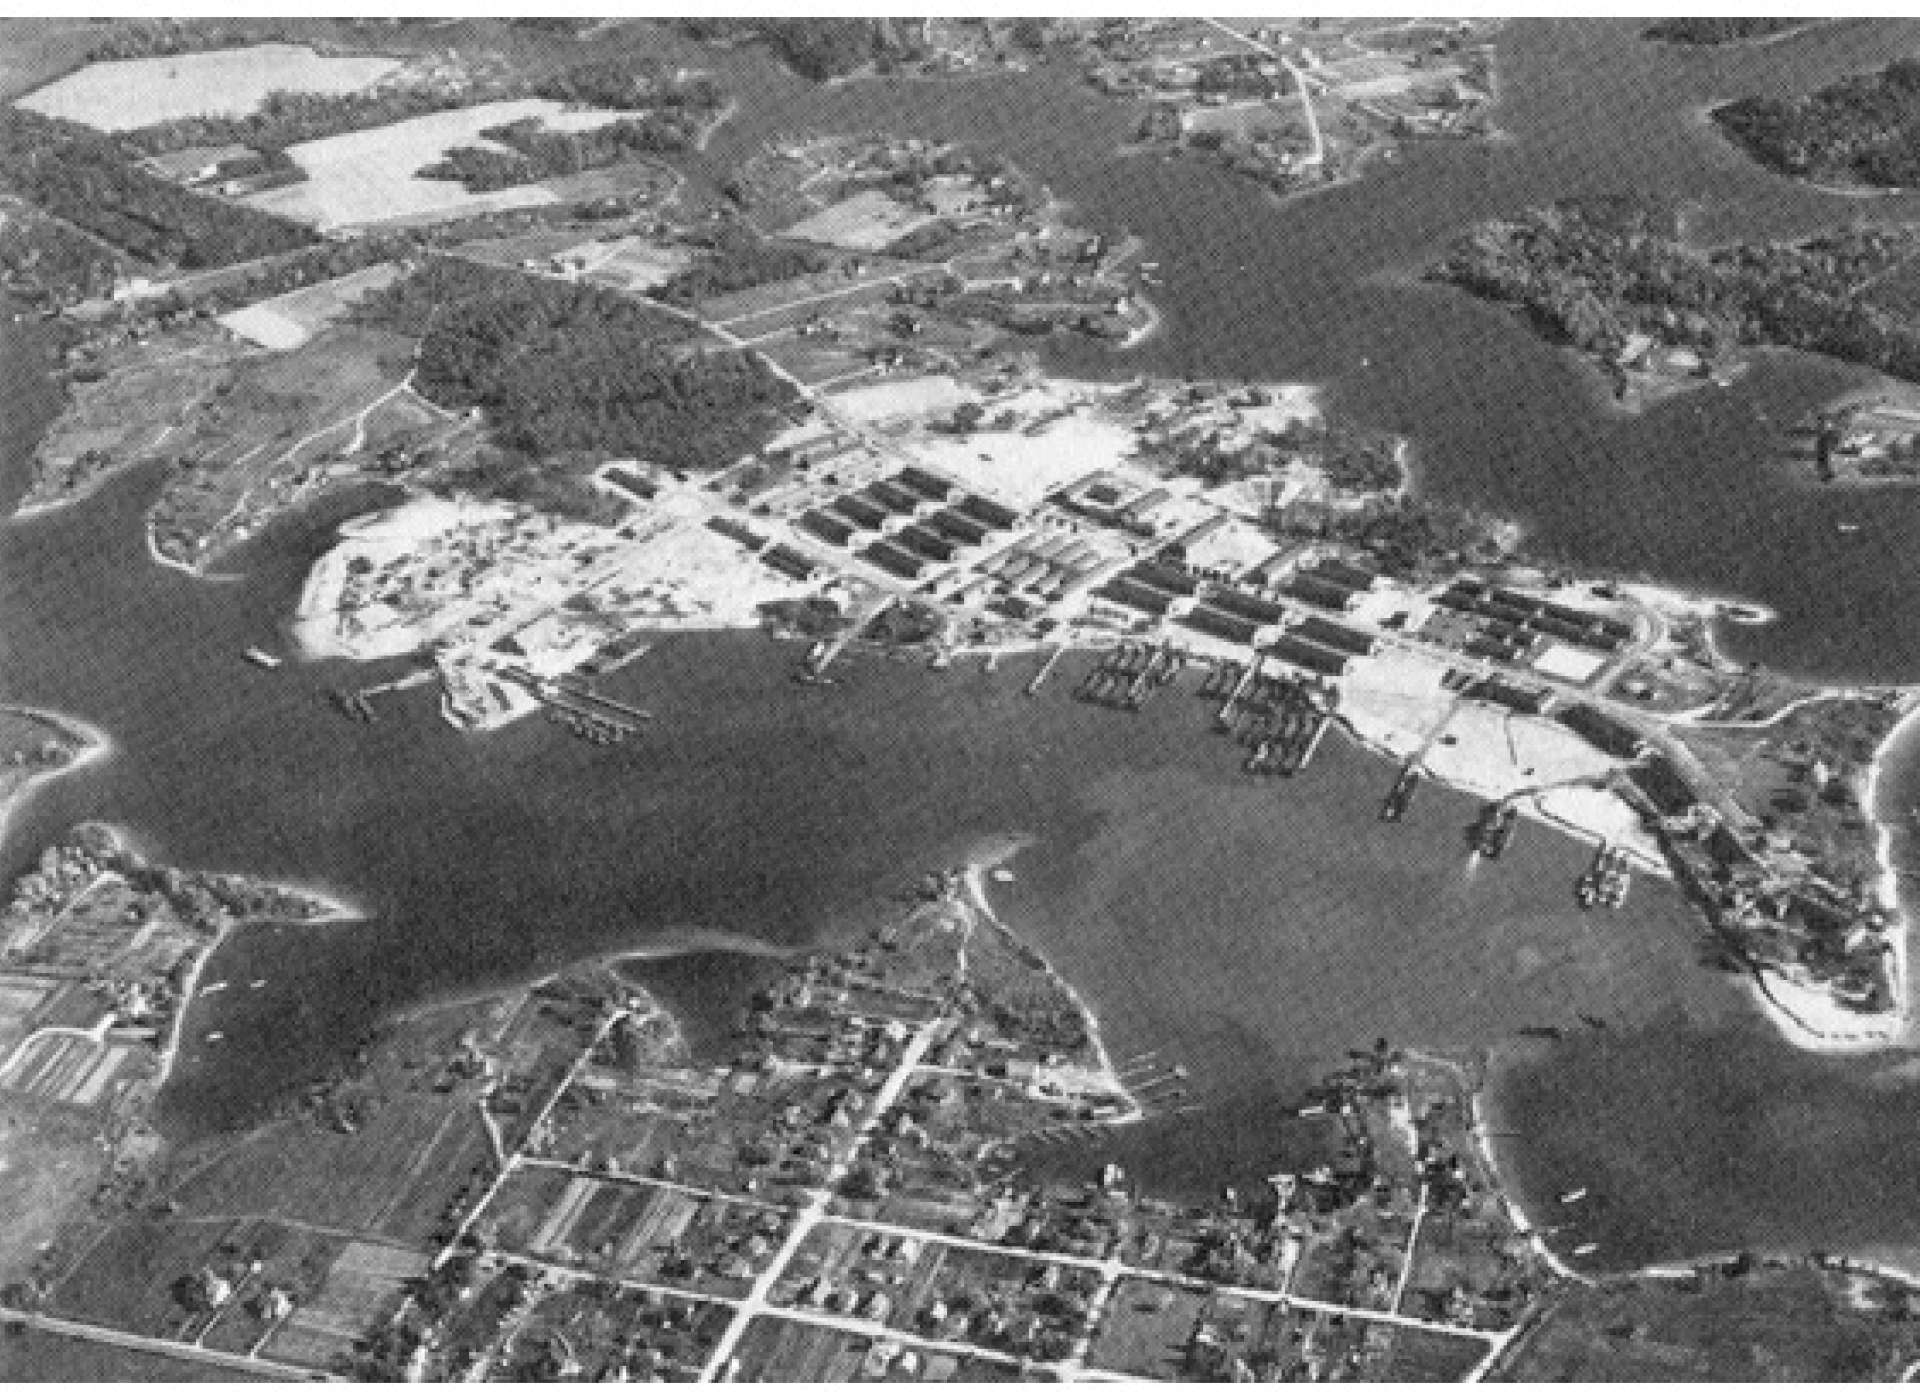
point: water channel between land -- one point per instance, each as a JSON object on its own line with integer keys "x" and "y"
{"x": 1253, "y": 932}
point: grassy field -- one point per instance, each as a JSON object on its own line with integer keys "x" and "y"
{"x": 31, "y": 1356}
{"x": 49, "y": 1166}
{"x": 257, "y": 446}
{"x": 1772, "y": 1325}
{"x": 145, "y": 399}
{"x": 290, "y": 320}
{"x": 141, "y": 92}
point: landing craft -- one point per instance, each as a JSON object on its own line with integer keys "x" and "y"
{"x": 213, "y": 987}
{"x": 214, "y": 1037}
{"x": 1582, "y": 1251}
{"x": 1570, "y": 1197}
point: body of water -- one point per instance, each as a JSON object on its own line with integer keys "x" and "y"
{"x": 1251, "y": 931}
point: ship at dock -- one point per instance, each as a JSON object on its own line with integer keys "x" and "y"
{"x": 1606, "y": 881}
{"x": 1401, "y": 796}
{"x": 1494, "y": 830}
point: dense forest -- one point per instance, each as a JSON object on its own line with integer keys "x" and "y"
{"x": 536, "y": 151}
{"x": 87, "y": 179}
{"x": 1863, "y": 129}
{"x": 43, "y": 258}
{"x": 561, "y": 368}
{"x": 739, "y": 258}
{"x": 1723, "y": 30}
{"x": 814, "y": 48}
{"x": 1595, "y": 274}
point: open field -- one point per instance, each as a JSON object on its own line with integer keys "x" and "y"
{"x": 1770, "y": 1325}
{"x": 865, "y": 222}
{"x": 290, "y": 320}
{"x": 133, "y": 93}
{"x": 263, "y": 441}
{"x": 49, "y": 1166}
{"x": 413, "y": 1148}
{"x": 134, "y": 411}
{"x": 368, "y": 177}
{"x": 30, "y": 1355}
{"x": 362, "y": 1288}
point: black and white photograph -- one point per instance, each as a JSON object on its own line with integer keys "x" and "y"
{"x": 808, "y": 700}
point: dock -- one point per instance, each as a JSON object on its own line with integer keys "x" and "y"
{"x": 1046, "y": 669}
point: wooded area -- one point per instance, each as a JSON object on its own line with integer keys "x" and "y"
{"x": 1593, "y": 275}
{"x": 87, "y": 179}
{"x": 1863, "y": 129}
{"x": 560, "y": 368}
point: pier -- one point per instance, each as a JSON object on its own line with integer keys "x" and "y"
{"x": 1046, "y": 669}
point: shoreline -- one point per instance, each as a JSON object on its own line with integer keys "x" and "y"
{"x": 973, "y": 885}
{"x": 96, "y": 746}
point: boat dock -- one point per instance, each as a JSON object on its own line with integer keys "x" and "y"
{"x": 1046, "y": 669}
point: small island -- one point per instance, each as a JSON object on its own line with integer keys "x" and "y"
{"x": 1862, "y": 133}
{"x": 1616, "y": 281}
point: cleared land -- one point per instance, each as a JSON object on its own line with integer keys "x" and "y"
{"x": 289, "y": 321}
{"x": 29, "y": 1355}
{"x": 367, "y": 177}
{"x": 133, "y": 93}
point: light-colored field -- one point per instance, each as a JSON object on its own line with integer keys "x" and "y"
{"x": 132, "y": 93}
{"x": 289, "y": 321}
{"x": 368, "y": 177}
{"x": 863, "y": 222}
{"x": 925, "y": 397}
{"x": 48, "y": 1167}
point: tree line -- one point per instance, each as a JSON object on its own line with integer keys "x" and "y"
{"x": 1864, "y": 129}
{"x": 89, "y": 179}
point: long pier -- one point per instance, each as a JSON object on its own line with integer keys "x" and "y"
{"x": 1046, "y": 669}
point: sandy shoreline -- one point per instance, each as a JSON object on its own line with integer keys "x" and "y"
{"x": 974, "y": 883}
{"x": 96, "y": 746}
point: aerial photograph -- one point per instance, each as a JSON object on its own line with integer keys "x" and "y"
{"x": 1119, "y": 699}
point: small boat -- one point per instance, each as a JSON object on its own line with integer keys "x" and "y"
{"x": 1568, "y": 1198}
{"x": 1847, "y": 527}
{"x": 213, "y": 987}
{"x": 215, "y": 1037}
{"x": 265, "y": 660}
{"x": 1581, "y": 1251}
{"x": 257, "y": 984}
